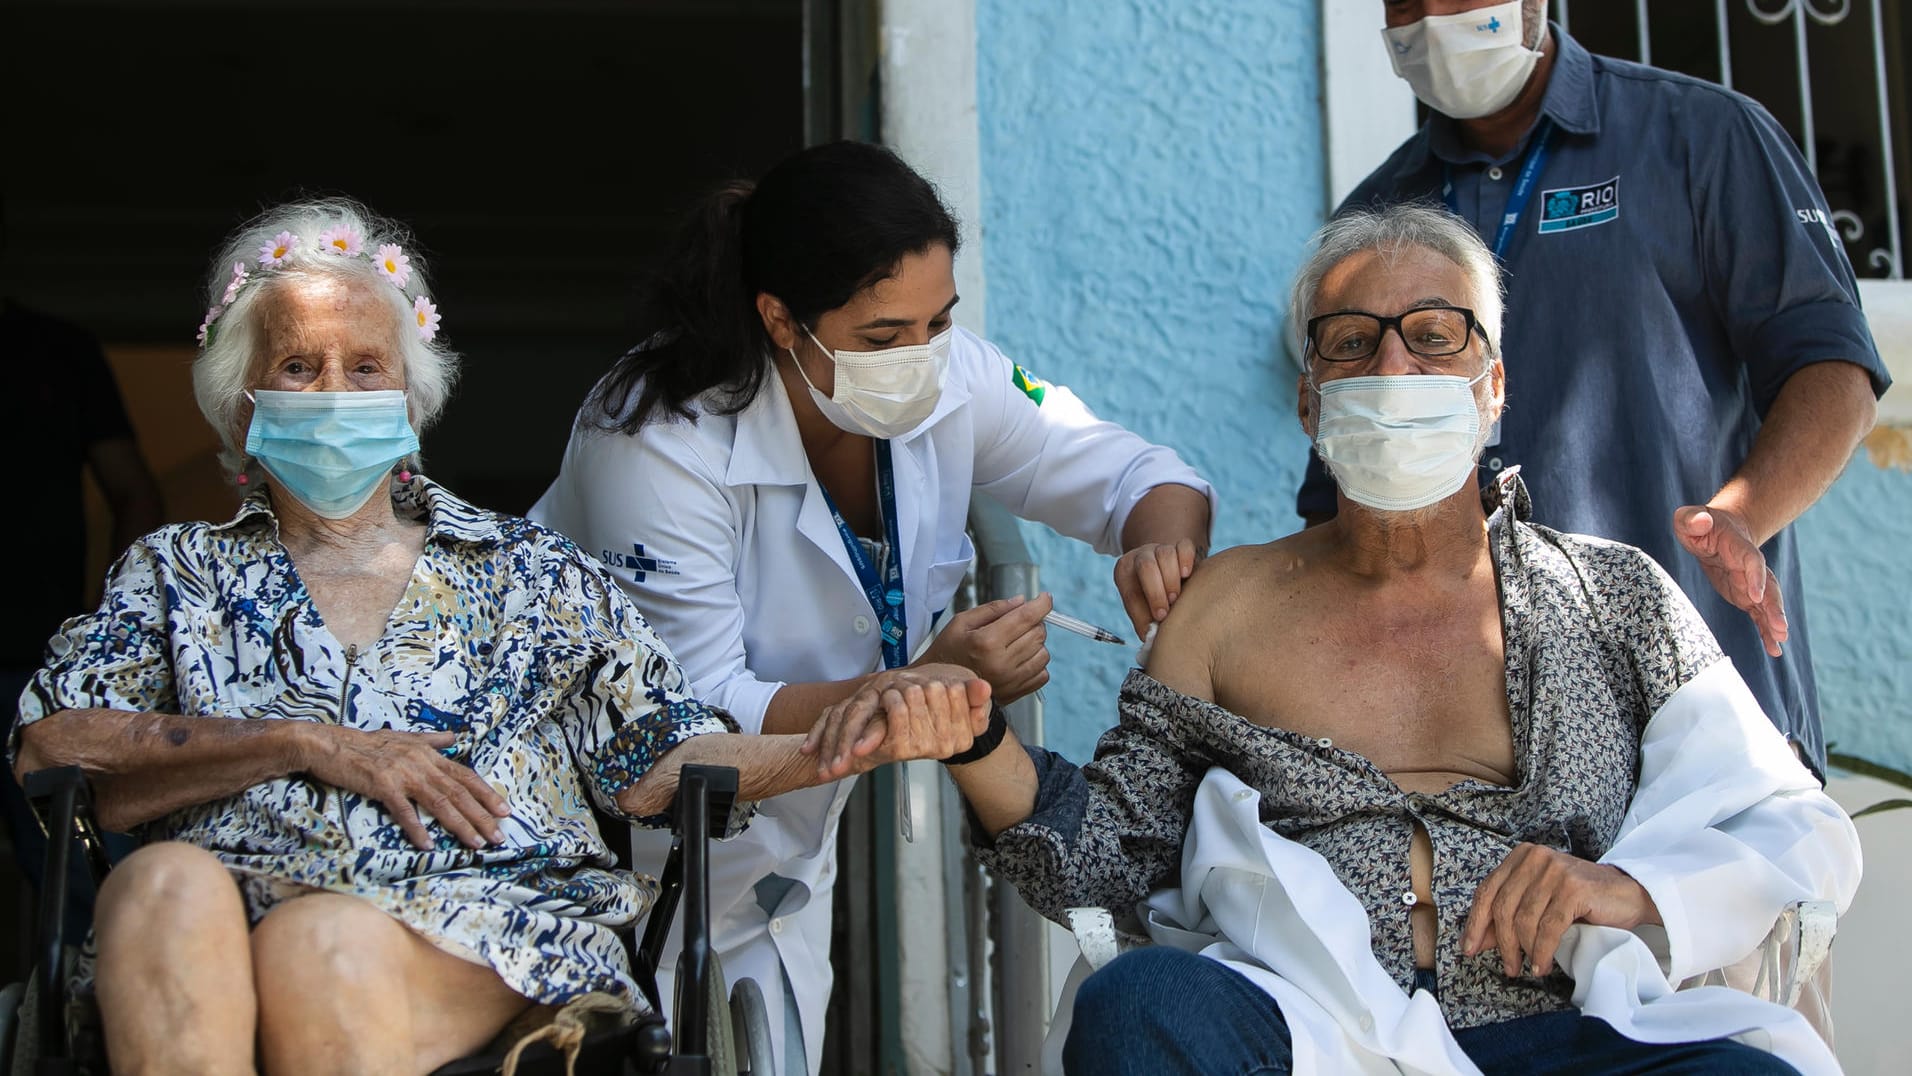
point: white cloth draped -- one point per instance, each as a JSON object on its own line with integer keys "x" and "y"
{"x": 1726, "y": 829}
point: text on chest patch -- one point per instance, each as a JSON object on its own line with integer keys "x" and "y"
{"x": 1566, "y": 208}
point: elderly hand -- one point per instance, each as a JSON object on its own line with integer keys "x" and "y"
{"x": 927, "y": 711}
{"x": 1149, "y": 578}
{"x": 1728, "y": 552}
{"x": 1004, "y": 642}
{"x": 403, "y": 769}
{"x": 1536, "y": 893}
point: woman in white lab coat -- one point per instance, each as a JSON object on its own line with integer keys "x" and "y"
{"x": 780, "y": 476}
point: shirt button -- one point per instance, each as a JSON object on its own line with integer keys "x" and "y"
{"x": 1494, "y": 173}
{"x": 1244, "y": 795}
{"x": 861, "y": 624}
{"x": 776, "y": 926}
{"x": 1416, "y": 802}
{"x": 1493, "y": 463}
{"x": 1324, "y": 743}
{"x": 1408, "y": 898}
{"x": 1367, "y": 1021}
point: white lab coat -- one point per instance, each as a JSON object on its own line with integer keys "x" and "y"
{"x": 744, "y": 575}
{"x": 1726, "y": 829}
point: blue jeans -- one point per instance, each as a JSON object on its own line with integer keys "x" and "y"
{"x": 1159, "y": 1010}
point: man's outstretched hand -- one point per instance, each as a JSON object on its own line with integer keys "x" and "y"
{"x": 1728, "y": 552}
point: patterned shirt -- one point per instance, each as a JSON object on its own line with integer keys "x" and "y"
{"x": 507, "y": 637}
{"x": 1597, "y": 638}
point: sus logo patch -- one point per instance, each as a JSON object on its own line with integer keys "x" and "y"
{"x": 1566, "y": 208}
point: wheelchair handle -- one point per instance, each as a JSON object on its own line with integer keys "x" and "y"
{"x": 705, "y": 796}
{"x": 62, "y": 801}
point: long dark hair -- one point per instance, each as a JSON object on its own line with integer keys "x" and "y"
{"x": 818, "y": 228}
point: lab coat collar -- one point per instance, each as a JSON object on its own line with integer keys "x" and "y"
{"x": 767, "y": 450}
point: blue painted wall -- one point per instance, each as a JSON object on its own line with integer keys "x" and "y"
{"x": 1150, "y": 171}
{"x": 1858, "y": 575}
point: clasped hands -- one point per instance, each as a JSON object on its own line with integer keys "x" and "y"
{"x": 926, "y": 711}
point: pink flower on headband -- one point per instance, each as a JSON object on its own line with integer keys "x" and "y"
{"x": 427, "y": 316}
{"x": 341, "y": 239}
{"x": 205, "y": 327}
{"x": 273, "y": 255}
{"x": 394, "y": 264}
{"x": 239, "y": 278}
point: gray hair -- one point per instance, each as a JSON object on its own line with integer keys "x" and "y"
{"x": 225, "y": 366}
{"x": 1387, "y": 231}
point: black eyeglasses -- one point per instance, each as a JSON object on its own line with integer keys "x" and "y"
{"x": 1432, "y": 332}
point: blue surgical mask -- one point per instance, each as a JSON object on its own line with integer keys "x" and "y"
{"x": 331, "y": 450}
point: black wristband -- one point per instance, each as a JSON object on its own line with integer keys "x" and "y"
{"x": 991, "y": 739}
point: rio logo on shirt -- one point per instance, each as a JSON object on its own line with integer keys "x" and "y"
{"x": 1566, "y": 208}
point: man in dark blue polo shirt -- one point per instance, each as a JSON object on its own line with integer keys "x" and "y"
{"x": 1693, "y": 369}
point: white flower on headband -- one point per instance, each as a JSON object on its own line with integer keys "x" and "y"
{"x": 341, "y": 239}
{"x": 427, "y": 316}
{"x": 239, "y": 277}
{"x": 273, "y": 255}
{"x": 205, "y": 327}
{"x": 394, "y": 264}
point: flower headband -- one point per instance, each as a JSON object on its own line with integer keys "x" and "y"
{"x": 340, "y": 241}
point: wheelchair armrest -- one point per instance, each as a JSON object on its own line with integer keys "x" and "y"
{"x": 1094, "y": 930}
{"x": 1790, "y": 954}
{"x": 1806, "y": 929}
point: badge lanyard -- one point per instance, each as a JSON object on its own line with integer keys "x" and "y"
{"x": 1523, "y": 189}
{"x": 1517, "y": 200}
{"x": 885, "y": 595}
{"x": 884, "y": 592}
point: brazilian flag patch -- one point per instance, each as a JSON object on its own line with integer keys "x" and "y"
{"x": 1030, "y": 385}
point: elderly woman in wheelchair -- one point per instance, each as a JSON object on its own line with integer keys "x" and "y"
{"x": 363, "y": 724}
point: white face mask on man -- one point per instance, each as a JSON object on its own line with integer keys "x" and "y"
{"x": 1466, "y": 65}
{"x": 882, "y": 394}
{"x": 1399, "y": 442}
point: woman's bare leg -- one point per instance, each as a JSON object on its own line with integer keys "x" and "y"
{"x": 175, "y": 966}
{"x": 345, "y": 988}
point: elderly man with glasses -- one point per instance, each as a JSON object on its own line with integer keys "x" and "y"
{"x": 1427, "y": 788}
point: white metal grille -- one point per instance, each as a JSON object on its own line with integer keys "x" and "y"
{"x": 1832, "y": 71}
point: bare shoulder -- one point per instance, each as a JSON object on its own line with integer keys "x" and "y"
{"x": 1233, "y": 590}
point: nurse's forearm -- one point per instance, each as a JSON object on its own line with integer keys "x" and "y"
{"x": 796, "y": 707}
{"x": 1000, "y": 787}
{"x": 1166, "y": 515}
{"x": 766, "y": 766}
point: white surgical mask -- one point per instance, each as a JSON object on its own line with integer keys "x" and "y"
{"x": 882, "y": 394}
{"x": 1400, "y": 442}
{"x": 1466, "y": 65}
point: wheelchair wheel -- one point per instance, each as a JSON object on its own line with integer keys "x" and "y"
{"x": 721, "y": 1046}
{"x": 750, "y": 1020}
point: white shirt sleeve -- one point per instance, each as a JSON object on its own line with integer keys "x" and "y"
{"x": 1056, "y": 462}
{"x": 1727, "y": 827}
{"x": 654, "y": 489}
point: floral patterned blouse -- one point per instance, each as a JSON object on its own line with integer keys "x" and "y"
{"x": 507, "y": 636}
{"x": 1597, "y": 638}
